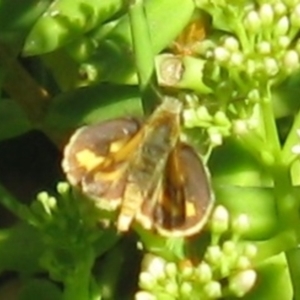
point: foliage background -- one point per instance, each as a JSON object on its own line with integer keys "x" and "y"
{"x": 67, "y": 63}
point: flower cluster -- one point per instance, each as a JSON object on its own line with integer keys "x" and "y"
{"x": 226, "y": 268}
{"x": 251, "y": 50}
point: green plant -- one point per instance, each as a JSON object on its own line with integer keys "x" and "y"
{"x": 235, "y": 68}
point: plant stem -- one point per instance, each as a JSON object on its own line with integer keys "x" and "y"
{"x": 78, "y": 284}
{"x": 293, "y": 258}
{"x": 143, "y": 53}
{"x": 256, "y": 146}
{"x": 292, "y": 139}
{"x": 268, "y": 119}
{"x": 22, "y": 88}
{"x": 288, "y": 208}
{"x": 12, "y": 204}
{"x": 286, "y": 201}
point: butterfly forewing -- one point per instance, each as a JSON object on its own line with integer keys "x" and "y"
{"x": 89, "y": 158}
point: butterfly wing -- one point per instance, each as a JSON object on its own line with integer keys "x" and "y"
{"x": 186, "y": 200}
{"x": 90, "y": 160}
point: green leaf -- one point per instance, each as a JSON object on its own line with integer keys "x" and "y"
{"x": 65, "y": 20}
{"x": 231, "y": 164}
{"x": 13, "y": 120}
{"x": 116, "y": 49}
{"x": 273, "y": 280}
{"x": 20, "y": 249}
{"x": 257, "y": 203}
{"x": 40, "y": 289}
{"x": 16, "y": 19}
{"x": 90, "y": 105}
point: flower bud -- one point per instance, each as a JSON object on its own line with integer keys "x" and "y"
{"x": 190, "y": 118}
{"x": 282, "y": 26}
{"x": 155, "y": 266}
{"x": 266, "y": 14}
{"x": 252, "y": 22}
{"x": 242, "y": 282}
{"x": 236, "y": 59}
{"x": 264, "y": 47}
{"x": 204, "y": 272}
{"x": 171, "y": 269}
{"x": 171, "y": 288}
{"x": 213, "y": 254}
{"x": 220, "y": 220}
{"x": 221, "y": 54}
{"x": 283, "y": 41}
{"x": 48, "y": 202}
{"x": 254, "y": 96}
{"x": 63, "y": 188}
{"x": 250, "y": 250}
{"x": 241, "y": 224}
{"x": 243, "y": 262}
{"x": 146, "y": 281}
{"x": 280, "y": 9}
{"x": 215, "y": 136}
{"x": 231, "y": 44}
{"x": 271, "y": 66}
{"x": 291, "y": 61}
{"x": 213, "y": 290}
{"x": 187, "y": 272}
{"x": 240, "y": 127}
{"x": 250, "y": 66}
{"x": 296, "y": 149}
{"x": 144, "y": 296}
{"x": 186, "y": 288}
{"x": 229, "y": 247}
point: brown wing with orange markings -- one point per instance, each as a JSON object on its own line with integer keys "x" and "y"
{"x": 183, "y": 200}
{"x": 89, "y": 161}
{"x": 144, "y": 171}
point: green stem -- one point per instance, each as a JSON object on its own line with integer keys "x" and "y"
{"x": 285, "y": 198}
{"x": 13, "y": 205}
{"x": 268, "y": 118}
{"x": 144, "y": 58}
{"x": 293, "y": 258}
{"x": 256, "y": 146}
{"x": 264, "y": 146}
{"x": 22, "y": 88}
{"x": 288, "y": 209}
{"x": 292, "y": 139}
{"x": 286, "y": 201}
{"x": 78, "y": 284}
{"x": 277, "y": 244}
{"x": 240, "y": 31}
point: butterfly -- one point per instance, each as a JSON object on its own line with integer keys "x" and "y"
{"x": 143, "y": 171}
